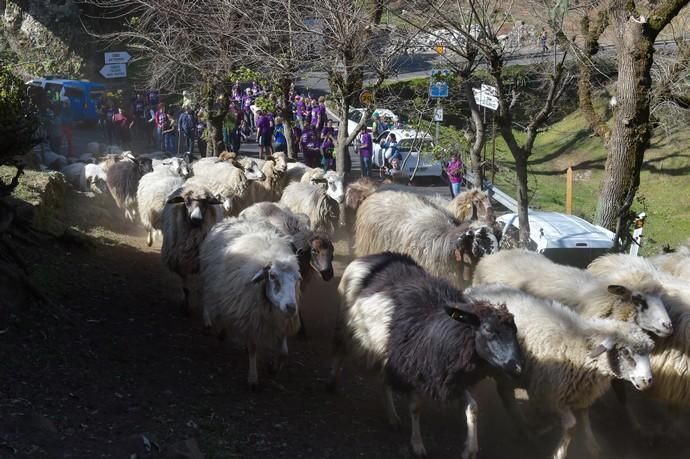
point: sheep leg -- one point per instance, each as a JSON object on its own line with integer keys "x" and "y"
{"x": 590, "y": 440}
{"x": 302, "y": 334}
{"x": 568, "y": 424}
{"x": 391, "y": 413}
{"x": 282, "y": 356}
{"x": 416, "y": 440}
{"x": 618, "y": 387}
{"x": 339, "y": 352}
{"x": 253, "y": 378}
{"x": 507, "y": 393}
{"x": 472, "y": 443}
{"x": 149, "y": 238}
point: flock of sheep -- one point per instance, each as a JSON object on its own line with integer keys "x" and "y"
{"x": 435, "y": 299}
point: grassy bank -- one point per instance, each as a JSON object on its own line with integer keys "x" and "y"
{"x": 665, "y": 181}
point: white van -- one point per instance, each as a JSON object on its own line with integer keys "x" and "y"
{"x": 563, "y": 238}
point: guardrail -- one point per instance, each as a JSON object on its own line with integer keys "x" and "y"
{"x": 495, "y": 193}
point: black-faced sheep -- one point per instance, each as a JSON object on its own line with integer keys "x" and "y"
{"x": 671, "y": 356}
{"x": 639, "y": 300}
{"x": 315, "y": 203}
{"x": 407, "y": 223}
{"x": 251, "y": 285}
{"x": 314, "y": 251}
{"x": 189, "y": 214}
{"x": 428, "y": 339}
{"x": 123, "y": 179}
{"x": 570, "y": 360}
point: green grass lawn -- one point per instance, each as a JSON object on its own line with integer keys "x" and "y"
{"x": 665, "y": 181}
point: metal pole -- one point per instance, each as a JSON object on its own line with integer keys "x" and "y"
{"x": 484, "y": 132}
{"x": 438, "y": 104}
{"x": 493, "y": 148}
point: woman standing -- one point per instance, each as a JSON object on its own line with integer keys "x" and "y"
{"x": 455, "y": 174}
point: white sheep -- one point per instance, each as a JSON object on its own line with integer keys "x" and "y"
{"x": 189, "y": 214}
{"x": 251, "y": 285}
{"x": 295, "y": 171}
{"x": 314, "y": 251}
{"x": 177, "y": 166}
{"x": 152, "y": 195}
{"x": 225, "y": 180}
{"x": 408, "y": 223}
{"x": 638, "y": 300}
{"x": 675, "y": 263}
{"x": 570, "y": 360}
{"x": 315, "y": 203}
{"x": 671, "y": 356}
{"x": 274, "y": 169}
{"x": 329, "y": 180}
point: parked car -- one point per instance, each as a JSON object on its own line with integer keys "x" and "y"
{"x": 563, "y": 238}
{"x": 355, "y": 116}
{"x": 417, "y": 145}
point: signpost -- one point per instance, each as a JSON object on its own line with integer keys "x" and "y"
{"x": 117, "y": 57}
{"x": 438, "y": 114}
{"x": 366, "y": 97}
{"x": 110, "y": 71}
{"x": 438, "y": 88}
{"x": 486, "y": 97}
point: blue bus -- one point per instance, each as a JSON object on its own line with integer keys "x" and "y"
{"x": 84, "y": 96}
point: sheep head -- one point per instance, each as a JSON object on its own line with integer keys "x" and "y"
{"x": 252, "y": 171}
{"x": 472, "y": 245}
{"x": 196, "y": 201}
{"x": 321, "y": 256}
{"x": 281, "y": 285}
{"x": 495, "y": 333}
{"x": 647, "y": 308}
{"x": 626, "y": 348}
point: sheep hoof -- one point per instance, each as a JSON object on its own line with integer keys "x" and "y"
{"x": 469, "y": 455}
{"x": 302, "y": 334}
{"x": 254, "y": 387}
{"x": 331, "y": 386}
{"x": 419, "y": 450}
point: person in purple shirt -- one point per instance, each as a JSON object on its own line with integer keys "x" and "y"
{"x": 310, "y": 147}
{"x": 300, "y": 108}
{"x": 247, "y": 108}
{"x": 264, "y": 134}
{"x": 454, "y": 171}
{"x": 365, "y": 151}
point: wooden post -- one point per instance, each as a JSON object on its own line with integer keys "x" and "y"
{"x": 569, "y": 191}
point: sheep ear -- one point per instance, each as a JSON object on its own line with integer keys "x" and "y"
{"x": 175, "y": 197}
{"x": 261, "y": 274}
{"x": 604, "y": 346}
{"x": 463, "y": 316}
{"x": 619, "y": 290}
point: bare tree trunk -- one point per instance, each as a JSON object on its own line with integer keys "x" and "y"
{"x": 341, "y": 145}
{"x": 215, "y": 124}
{"x": 631, "y": 130}
{"x": 286, "y": 112}
{"x": 522, "y": 198}
{"x": 479, "y": 136}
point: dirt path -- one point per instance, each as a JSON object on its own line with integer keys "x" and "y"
{"x": 116, "y": 360}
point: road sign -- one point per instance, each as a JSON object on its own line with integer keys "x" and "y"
{"x": 366, "y": 98}
{"x": 114, "y": 71}
{"x": 489, "y": 90}
{"x": 117, "y": 57}
{"x": 484, "y": 99}
{"x": 440, "y": 48}
{"x": 439, "y": 87}
{"x": 438, "y": 114}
